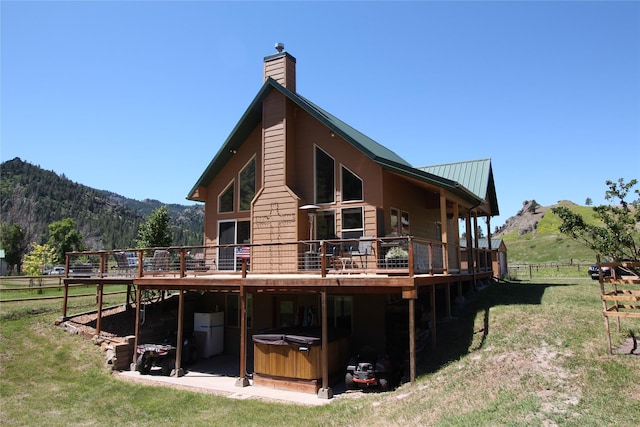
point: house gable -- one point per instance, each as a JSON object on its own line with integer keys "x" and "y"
{"x": 475, "y": 175}
{"x": 376, "y": 152}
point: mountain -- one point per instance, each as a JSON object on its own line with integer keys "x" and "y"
{"x": 34, "y": 198}
{"x": 533, "y": 235}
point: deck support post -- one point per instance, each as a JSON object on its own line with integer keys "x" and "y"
{"x": 177, "y": 370}
{"x": 432, "y": 298}
{"x": 476, "y": 246}
{"x": 136, "y": 329}
{"x": 444, "y": 233}
{"x": 242, "y": 380}
{"x": 325, "y": 392}
{"x": 99, "y": 313}
{"x": 412, "y": 340}
{"x": 470, "y": 249}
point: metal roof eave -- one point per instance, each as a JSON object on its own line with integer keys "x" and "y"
{"x": 428, "y": 178}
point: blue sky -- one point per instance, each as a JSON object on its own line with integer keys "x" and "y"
{"x": 137, "y": 97}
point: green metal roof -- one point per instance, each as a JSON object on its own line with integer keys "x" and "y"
{"x": 483, "y": 243}
{"x": 375, "y": 151}
{"x": 476, "y": 175}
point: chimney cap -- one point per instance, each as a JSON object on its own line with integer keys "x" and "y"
{"x": 279, "y": 47}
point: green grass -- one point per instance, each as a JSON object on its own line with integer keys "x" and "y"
{"x": 532, "y": 353}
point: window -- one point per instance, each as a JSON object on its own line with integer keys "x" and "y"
{"x": 231, "y": 232}
{"x": 247, "y": 185}
{"x": 351, "y": 186}
{"x": 232, "y": 311}
{"x": 352, "y": 223}
{"x": 339, "y": 311}
{"x": 243, "y": 234}
{"x": 326, "y": 225}
{"x": 404, "y": 223}
{"x": 399, "y": 222}
{"x": 395, "y": 216}
{"x": 325, "y": 177}
{"x": 225, "y": 200}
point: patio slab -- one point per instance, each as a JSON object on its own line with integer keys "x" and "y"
{"x": 216, "y": 376}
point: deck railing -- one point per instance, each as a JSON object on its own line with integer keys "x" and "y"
{"x": 393, "y": 255}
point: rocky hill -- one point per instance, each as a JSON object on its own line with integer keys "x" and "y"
{"x": 525, "y": 221}
{"x": 34, "y": 198}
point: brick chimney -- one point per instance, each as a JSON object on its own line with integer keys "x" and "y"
{"x": 281, "y": 67}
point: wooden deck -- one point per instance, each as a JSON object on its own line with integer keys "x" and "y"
{"x": 202, "y": 269}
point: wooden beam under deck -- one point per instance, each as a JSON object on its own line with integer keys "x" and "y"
{"x": 305, "y": 282}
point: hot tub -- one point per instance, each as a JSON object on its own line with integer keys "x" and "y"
{"x": 292, "y": 358}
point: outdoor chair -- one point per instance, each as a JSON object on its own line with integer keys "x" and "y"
{"x": 122, "y": 263}
{"x": 161, "y": 260}
{"x": 365, "y": 248}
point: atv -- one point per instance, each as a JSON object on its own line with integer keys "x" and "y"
{"x": 369, "y": 369}
{"x": 164, "y": 355}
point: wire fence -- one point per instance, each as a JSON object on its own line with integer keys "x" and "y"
{"x": 548, "y": 269}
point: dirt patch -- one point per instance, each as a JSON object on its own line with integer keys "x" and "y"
{"x": 117, "y": 322}
{"x": 630, "y": 346}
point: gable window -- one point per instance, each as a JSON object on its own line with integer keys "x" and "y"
{"x": 352, "y": 223}
{"x": 325, "y": 177}
{"x": 225, "y": 199}
{"x": 247, "y": 185}
{"x": 351, "y": 186}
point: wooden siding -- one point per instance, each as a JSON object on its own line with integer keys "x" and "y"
{"x": 274, "y": 141}
{"x": 251, "y": 147}
{"x": 275, "y": 208}
{"x": 310, "y": 134}
{"x": 422, "y": 204}
{"x": 282, "y": 69}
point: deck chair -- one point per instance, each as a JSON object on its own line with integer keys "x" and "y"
{"x": 122, "y": 263}
{"x": 161, "y": 260}
{"x": 365, "y": 248}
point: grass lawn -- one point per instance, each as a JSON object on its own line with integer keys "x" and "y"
{"x": 532, "y": 353}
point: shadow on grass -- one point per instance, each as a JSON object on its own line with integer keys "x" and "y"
{"x": 456, "y": 335}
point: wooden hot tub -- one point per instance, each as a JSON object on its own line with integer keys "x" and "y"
{"x": 292, "y": 358}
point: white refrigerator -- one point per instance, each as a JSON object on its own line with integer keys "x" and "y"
{"x": 211, "y": 326}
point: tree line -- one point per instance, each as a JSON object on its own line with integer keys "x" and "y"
{"x": 31, "y": 199}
